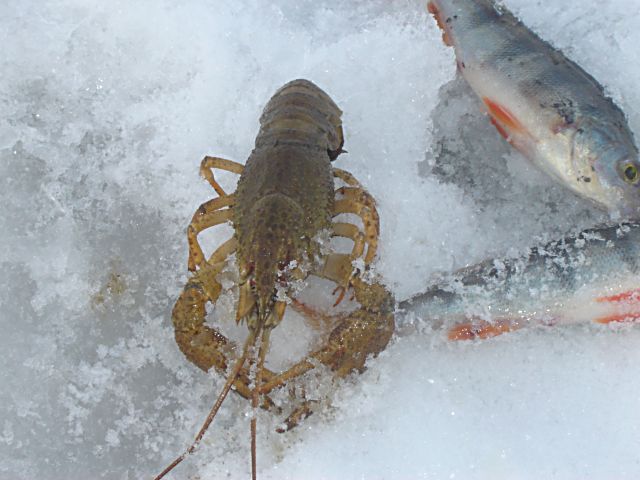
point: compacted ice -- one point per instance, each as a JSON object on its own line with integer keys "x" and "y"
{"x": 107, "y": 110}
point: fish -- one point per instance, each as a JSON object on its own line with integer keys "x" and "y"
{"x": 545, "y": 105}
{"x": 591, "y": 276}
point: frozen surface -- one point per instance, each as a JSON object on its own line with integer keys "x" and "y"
{"x": 107, "y": 109}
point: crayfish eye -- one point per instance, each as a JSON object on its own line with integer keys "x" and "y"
{"x": 630, "y": 172}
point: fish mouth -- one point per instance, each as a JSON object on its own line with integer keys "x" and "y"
{"x": 609, "y": 193}
{"x": 627, "y": 211}
{"x": 620, "y": 203}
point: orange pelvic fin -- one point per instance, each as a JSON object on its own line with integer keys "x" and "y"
{"x": 631, "y": 317}
{"x": 500, "y": 129}
{"x": 632, "y": 296}
{"x": 433, "y": 10}
{"x": 505, "y": 121}
{"x": 483, "y": 330}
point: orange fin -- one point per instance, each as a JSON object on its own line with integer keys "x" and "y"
{"x": 506, "y": 123}
{"x": 433, "y": 10}
{"x": 620, "y": 318}
{"x": 482, "y": 330}
{"x": 632, "y": 296}
{"x": 500, "y": 129}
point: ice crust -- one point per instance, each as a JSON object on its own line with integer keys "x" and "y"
{"x": 107, "y": 110}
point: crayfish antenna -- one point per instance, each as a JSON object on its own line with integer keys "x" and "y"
{"x": 255, "y": 396}
{"x": 248, "y": 345}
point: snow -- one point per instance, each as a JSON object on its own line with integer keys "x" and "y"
{"x": 108, "y": 109}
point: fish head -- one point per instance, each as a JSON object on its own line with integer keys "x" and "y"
{"x": 608, "y": 165}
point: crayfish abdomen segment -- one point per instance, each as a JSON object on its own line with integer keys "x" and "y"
{"x": 300, "y": 112}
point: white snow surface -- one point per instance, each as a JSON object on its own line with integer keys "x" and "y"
{"x": 107, "y": 110}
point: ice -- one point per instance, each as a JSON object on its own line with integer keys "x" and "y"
{"x": 108, "y": 109}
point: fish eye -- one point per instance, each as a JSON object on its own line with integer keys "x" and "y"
{"x": 630, "y": 172}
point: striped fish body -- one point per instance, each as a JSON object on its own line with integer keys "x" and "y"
{"x": 590, "y": 277}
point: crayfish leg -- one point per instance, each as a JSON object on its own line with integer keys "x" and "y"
{"x": 350, "y": 231}
{"x": 302, "y": 411}
{"x": 359, "y": 202}
{"x": 209, "y": 163}
{"x": 346, "y": 177}
{"x": 338, "y": 268}
{"x": 316, "y": 318}
{"x": 207, "y": 215}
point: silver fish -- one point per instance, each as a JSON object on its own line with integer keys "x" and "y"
{"x": 546, "y": 106}
{"x": 593, "y": 276}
